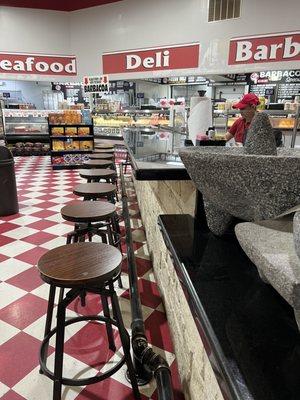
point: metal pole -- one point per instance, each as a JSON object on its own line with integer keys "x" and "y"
{"x": 147, "y": 364}
{"x": 295, "y": 129}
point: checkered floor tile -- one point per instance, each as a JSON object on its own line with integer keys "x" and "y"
{"x": 24, "y": 238}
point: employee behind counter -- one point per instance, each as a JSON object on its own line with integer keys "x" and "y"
{"x": 247, "y": 105}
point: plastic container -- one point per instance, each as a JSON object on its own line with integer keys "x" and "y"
{"x": 8, "y": 188}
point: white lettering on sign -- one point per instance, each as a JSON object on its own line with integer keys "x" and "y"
{"x": 243, "y": 51}
{"x": 160, "y": 59}
{"x": 291, "y": 49}
{"x": 277, "y": 47}
{"x": 22, "y": 63}
{"x": 6, "y": 65}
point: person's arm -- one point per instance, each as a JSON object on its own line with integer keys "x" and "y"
{"x": 228, "y": 136}
{"x": 232, "y": 131}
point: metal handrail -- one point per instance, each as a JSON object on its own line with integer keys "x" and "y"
{"x": 147, "y": 363}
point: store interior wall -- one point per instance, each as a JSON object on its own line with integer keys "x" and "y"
{"x": 34, "y": 31}
{"x": 153, "y": 23}
{"x": 133, "y": 24}
{"x": 31, "y": 92}
{"x": 229, "y": 92}
{"x": 153, "y": 90}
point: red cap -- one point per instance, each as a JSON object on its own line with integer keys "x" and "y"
{"x": 249, "y": 99}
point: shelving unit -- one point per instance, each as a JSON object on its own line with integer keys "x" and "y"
{"x": 70, "y": 150}
{"x": 286, "y": 121}
{"x": 26, "y": 131}
{"x": 110, "y": 124}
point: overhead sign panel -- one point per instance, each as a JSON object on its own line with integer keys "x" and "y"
{"x": 265, "y": 48}
{"x": 183, "y": 56}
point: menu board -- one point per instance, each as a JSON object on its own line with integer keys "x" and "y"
{"x": 263, "y": 90}
{"x": 286, "y": 82}
{"x": 288, "y": 91}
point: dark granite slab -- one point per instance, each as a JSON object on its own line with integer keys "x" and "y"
{"x": 248, "y": 330}
{"x": 157, "y": 171}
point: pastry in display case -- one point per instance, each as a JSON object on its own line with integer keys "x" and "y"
{"x": 111, "y": 124}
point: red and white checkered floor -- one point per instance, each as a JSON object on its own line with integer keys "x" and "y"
{"x": 24, "y": 237}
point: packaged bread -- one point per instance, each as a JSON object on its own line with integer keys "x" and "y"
{"x": 71, "y": 131}
{"x": 57, "y": 131}
{"x": 56, "y": 118}
{"x": 72, "y": 144}
{"x": 58, "y": 145}
{"x": 86, "y": 145}
{"x": 76, "y": 145}
{"x": 83, "y": 130}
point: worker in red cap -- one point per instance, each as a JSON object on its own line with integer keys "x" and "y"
{"x": 239, "y": 129}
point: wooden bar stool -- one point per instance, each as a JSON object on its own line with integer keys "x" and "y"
{"x": 82, "y": 268}
{"x": 98, "y": 163}
{"x": 93, "y": 218}
{"x": 95, "y": 191}
{"x": 95, "y": 175}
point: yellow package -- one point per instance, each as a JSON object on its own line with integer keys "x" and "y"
{"x": 71, "y": 131}
{"x": 58, "y": 145}
{"x": 57, "y": 131}
{"x": 83, "y": 130}
{"x": 86, "y": 145}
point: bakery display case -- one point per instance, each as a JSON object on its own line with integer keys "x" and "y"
{"x": 71, "y": 140}
{"x": 26, "y": 131}
{"x": 110, "y": 124}
{"x": 285, "y": 120}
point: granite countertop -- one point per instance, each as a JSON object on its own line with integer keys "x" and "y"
{"x": 252, "y": 339}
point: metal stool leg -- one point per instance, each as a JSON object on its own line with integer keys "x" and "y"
{"x": 125, "y": 340}
{"x": 109, "y": 329}
{"x": 59, "y": 351}
{"x": 111, "y": 241}
{"x": 48, "y": 320}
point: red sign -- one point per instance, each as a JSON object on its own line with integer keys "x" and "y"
{"x": 266, "y": 48}
{"x": 37, "y": 64}
{"x": 154, "y": 59}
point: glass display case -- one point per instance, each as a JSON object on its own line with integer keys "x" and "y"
{"x": 110, "y": 124}
{"x": 26, "y": 131}
{"x": 286, "y": 121}
{"x": 158, "y": 145}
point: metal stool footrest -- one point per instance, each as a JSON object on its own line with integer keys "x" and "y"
{"x": 78, "y": 382}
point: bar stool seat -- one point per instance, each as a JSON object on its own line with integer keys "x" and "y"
{"x": 97, "y": 174}
{"x": 87, "y": 211}
{"x": 79, "y": 264}
{"x": 82, "y": 268}
{"x": 94, "y": 191}
{"x": 100, "y": 151}
{"x": 101, "y": 156}
{"x": 104, "y": 146}
{"x": 98, "y": 163}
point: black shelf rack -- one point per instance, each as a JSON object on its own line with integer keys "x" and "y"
{"x": 59, "y": 158}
